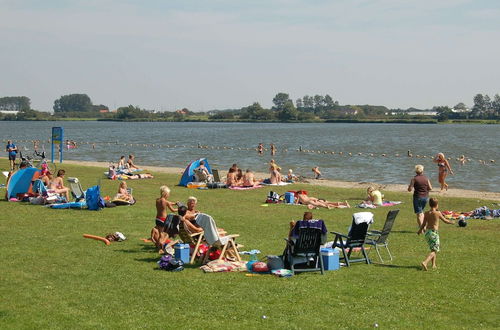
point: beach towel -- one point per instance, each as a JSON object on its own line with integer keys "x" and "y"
{"x": 216, "y": 266}
{"x": 244, "y": 188}
{"x": 364, "y": 205}
{"x": 362, "y": 217}
{"x": 276, "y": 184}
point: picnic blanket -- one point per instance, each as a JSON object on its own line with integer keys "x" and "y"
{"x": 244, "y": 188}
{"x": 217, "y": 266}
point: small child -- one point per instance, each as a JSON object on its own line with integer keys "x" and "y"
{"x": 317, "y": 172}
{"x": 431, "y": 227}
{"x": 290, "y": 176}
{"x": 374, "y": 196}
{"x": 158, "y": 233}
{"x": 123, "y": 192}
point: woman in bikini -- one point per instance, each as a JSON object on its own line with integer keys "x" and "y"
{"x": 444, "y": 168}
{"x": 57, "y": 185}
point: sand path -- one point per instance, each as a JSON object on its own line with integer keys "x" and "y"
{"x": 495, "y": 196}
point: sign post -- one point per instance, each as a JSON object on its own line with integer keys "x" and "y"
{"x": 57, "y": 139}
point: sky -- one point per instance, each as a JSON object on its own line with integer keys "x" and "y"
{"x": 227, "y": 54}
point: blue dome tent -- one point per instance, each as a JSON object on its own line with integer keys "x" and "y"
{"x": 20, "y": 182}
{"x": 188, "y": 175}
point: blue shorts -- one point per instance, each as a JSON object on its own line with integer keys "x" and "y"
{"x": 12, "y": 156}
{"x": 419, "y": 204}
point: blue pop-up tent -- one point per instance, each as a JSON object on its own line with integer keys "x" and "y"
{"x": 188, "y": 175}
{"x": 20, "y": 182}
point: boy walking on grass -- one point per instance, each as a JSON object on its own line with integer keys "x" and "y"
{"x": 431, "y": 227}
{"x": 158, "y": 234}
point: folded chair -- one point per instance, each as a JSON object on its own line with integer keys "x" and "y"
{"x": 305, "y": 249}
{"x": 378, "y": 238}
{"x": 214, "y": 240}
{"x": 76, "y": 189}
{"x": 355, "y": 239}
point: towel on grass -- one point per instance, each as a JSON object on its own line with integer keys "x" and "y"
{"x": 244, "y": 188}
{"x": 216, "y": 266}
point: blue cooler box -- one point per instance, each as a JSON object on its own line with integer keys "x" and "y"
{"x": 330, "y": 258}
{"x": 289, "y": 197}
{"x": 182, "y": 252}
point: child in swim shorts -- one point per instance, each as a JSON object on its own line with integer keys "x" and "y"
{"x": 431, "y": 228}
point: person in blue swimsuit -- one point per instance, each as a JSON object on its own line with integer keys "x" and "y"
{"x": 12, "y": 151}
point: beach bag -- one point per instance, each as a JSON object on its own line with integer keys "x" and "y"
{"x": 273, "y": 197}
{"x": 275, "y": 262}
{"x": 93, "y": 198}
{"x": 168, "y": 263}
{"x": 212, "y": 185}
{"x": 260, "y": 267}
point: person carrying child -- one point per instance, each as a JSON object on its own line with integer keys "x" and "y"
{"x": 158, "y": 234}
{"x": 431, "y": 227}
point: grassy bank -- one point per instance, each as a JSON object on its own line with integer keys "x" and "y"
{"x": 54, "y": 278}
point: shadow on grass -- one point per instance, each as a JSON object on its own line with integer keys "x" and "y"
{"x": 397, "y": 266}
{"x": 404, "y": 231}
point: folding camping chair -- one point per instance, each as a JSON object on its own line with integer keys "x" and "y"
{"x": 215, "y": 173}
{"x": 76, "y": 189}
{"x": 303, "y": 249}
{"x": 212, "y": 236}
{"x": 378, "y": 238}
{"x": 355, "y": 239}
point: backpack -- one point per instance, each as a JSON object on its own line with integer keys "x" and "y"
{"x": 168, "y": 263}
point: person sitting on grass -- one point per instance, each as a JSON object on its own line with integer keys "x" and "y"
{"x": 313, "y": 202}
{"x": 158, "y": 233}
{"x": 130, "y": 162}
{"x": 275, "y": 175}
{"x": 231, "y": 178}
{"x": 291, "y": 177}
{"x": 249, "y": 179}
{"x": 57, "y": 185}
{"x": 123, "y": 192}
{"x": 374, "y": 196}
{"x": 202, "y": 174}
{"x": 431, "y": 227}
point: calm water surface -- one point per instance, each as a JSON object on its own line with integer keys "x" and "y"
{"x": 113, "y": 139}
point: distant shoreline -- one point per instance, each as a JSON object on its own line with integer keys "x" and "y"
{"x": 346, "y": 121}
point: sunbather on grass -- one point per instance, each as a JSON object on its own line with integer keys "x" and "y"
{"x": 313, "y": 202}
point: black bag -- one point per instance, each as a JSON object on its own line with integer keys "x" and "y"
{"x": 212, "y": 185}
{"x": 275, "y": 262}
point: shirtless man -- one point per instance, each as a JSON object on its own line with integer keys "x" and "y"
{"x": 231, "y": 178}
{"x": 275, "y": 175}
{"x": 431, "y": 227}
{"x": 313, "y": 202}
{"x": 158, "y": 234}
{"x": 249, "y": 179}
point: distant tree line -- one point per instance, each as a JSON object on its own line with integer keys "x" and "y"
{"x": 306, "y": 108}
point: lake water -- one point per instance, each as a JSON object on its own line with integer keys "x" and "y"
{"x": 230, "y": 143}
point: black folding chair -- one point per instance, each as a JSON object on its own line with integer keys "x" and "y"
{"x": 354, "y": 240}
{"x": 305, "y": 250}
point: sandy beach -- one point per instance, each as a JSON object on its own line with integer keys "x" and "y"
{"x": 402, "y": 188}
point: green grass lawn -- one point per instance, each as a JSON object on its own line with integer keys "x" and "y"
{"x": 52, "y": 277}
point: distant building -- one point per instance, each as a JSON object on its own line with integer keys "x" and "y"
{"x": 9, "y": 112}
{"x": 460, "y": 110}
{"x": 182, "y": 111}
{"x": 104, "y": 110}
{"x": 422, "y": 113}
